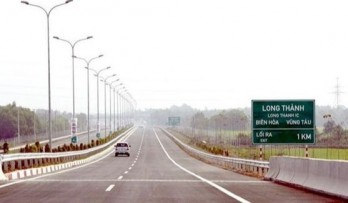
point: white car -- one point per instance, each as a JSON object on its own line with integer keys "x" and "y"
{"x": 122, "y": 148}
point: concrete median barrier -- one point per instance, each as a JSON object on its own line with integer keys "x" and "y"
{"x": 286, "y": 172}
{"x": 301, "y": 167}
{"x": 324, "y": 176}
{"x": 274, "y": 168}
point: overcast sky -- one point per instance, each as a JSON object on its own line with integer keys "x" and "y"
{"x": 204, "y": 53}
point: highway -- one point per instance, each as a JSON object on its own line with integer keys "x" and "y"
{"x": 156, "y": 171}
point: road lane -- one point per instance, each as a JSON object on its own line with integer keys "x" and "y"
{"x": 250, "y": 188}
{"x": 148, "y": 175}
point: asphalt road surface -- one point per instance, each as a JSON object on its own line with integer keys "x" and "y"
{"x": 156, "y": 171}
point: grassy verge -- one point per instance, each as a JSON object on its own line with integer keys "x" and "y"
{"x": 252, "y": 152}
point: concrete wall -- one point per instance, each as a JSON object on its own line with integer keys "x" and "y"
{"x": 325, "y": 176}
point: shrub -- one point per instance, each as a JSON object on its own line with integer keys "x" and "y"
{"x": 37, "y": 144}
{"x": 26, "y": 148}
{"x": 47, "y": 147}
{"x": 5, "y": 147}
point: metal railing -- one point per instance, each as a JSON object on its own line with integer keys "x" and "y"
{"x": 243, "y": 165}
{"x": 11, "y": 162}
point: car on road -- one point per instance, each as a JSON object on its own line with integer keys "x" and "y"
{"x": 122, "y": 148}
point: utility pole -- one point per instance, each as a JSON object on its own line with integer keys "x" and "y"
{"x": 337, "y": 92}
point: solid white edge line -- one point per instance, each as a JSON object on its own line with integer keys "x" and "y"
{"x": 240, "y": 199}
{"x": 109, "y": 188}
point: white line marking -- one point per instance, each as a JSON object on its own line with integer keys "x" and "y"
{"x": 132, "y": 165}
{"x": 125, "y": 172}
{"x": 240, "y": 199}
{"x": 130, "y": 168}
{"x": 120, "y": 179}
{"x": 109, "y": 188}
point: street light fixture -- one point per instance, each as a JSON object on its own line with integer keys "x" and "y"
{"x": 72, "y": 45}
{"x": 87, "y": 67}
{"x": 97, "y": 73}
{"x": 49, "y": 62}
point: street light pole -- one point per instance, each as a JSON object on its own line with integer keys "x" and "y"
{"x": 110, "y": 85}
{"x": 105, "y": 83}
{"x": 97, "y": 75}
{"x": 122, "y": 107}
{"x": 115, "y": 114}
{"x": 72, "y": 45}
{"x": 87, "y": 63}
{"x": 49, "y": 61}
{"x": 118, "y": 105}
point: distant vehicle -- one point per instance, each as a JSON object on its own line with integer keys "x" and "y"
{"x": 122, "y": 148}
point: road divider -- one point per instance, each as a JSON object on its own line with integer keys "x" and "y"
{"x": 324, "y": 176}
{"x": 246, "y": 166}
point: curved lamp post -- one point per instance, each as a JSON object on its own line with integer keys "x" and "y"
{"x": 87, "y": 67}
{"x": 49, "y": 62}
{"x": 105, "y": 83}
{"x": 72, "y": 45}
{"x": 111, "y": 88}
{"x": 97, "y": 73}
{"x": 117, "y": 111}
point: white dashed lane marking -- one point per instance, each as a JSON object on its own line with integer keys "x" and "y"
{"x": 109, "y": 188}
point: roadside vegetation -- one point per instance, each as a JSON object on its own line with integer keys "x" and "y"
{"x": 228, "y": 132}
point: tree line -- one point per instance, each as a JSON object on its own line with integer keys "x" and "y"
{"x": 16, "y": 120}
{"x": 331, "y": 123}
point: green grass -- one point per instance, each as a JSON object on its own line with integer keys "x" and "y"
{"x": 276, "y": 150}
{"x": 319, "y": 153}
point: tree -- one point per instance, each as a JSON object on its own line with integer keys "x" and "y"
{"x": 329, "y": 126}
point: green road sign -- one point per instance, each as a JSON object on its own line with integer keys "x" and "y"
{"x": 173, "y": 121}
{"x": 283, "y": 121}
{"x": 74, "y": 139}
{"x": 98, "y": 135}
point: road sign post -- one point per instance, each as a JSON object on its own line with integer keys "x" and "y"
{"x": 73, "y": 130}
{"x": 173, "y": 121}
{"x": 283, "y": 121}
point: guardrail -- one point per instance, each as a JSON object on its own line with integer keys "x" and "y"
{"x": 247, "y": 166}
{"x": 46, "y": 141}
{"x": 12, "y": 162}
